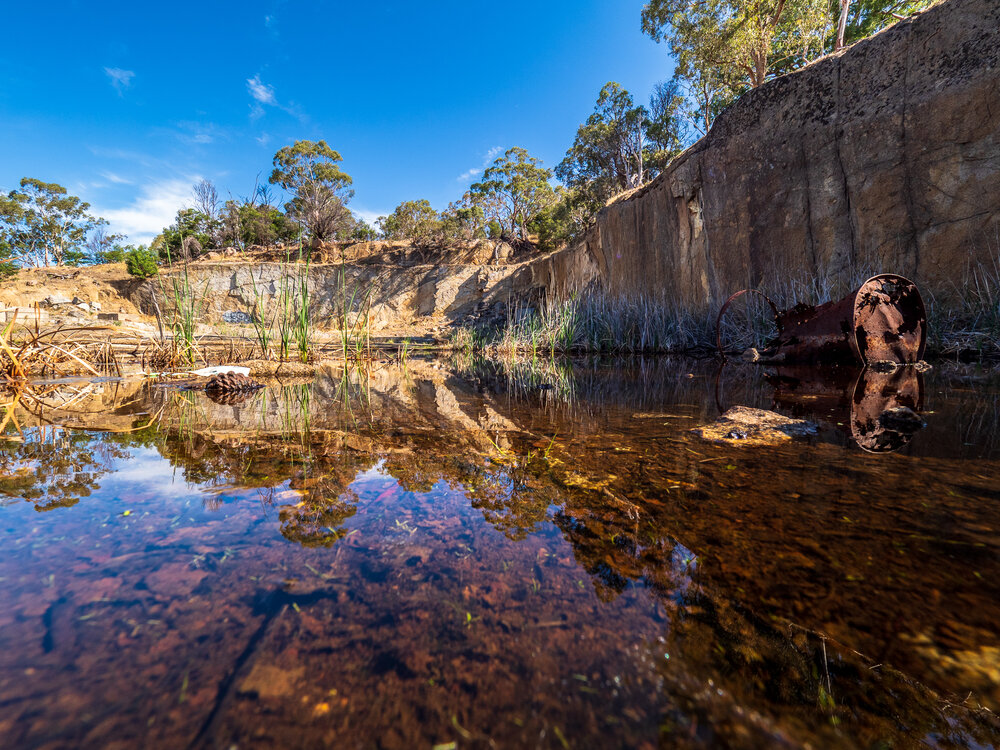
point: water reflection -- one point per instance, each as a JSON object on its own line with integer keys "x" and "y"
{"x": 486, "y": 555}
{"x": 861, "y": 401}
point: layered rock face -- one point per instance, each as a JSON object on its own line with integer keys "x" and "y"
{"x": 393, "y": 297}
{"x": 885, "y": 157}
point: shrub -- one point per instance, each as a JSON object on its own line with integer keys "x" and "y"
{"x": 114, "y": 255}
{"x": 7, "y": 270}
{"x": 141, "y": 263}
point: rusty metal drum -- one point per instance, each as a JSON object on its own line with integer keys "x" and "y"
{"x": 883, "y": 320}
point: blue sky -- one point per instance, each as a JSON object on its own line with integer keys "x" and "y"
{"x": 129, "y": 104}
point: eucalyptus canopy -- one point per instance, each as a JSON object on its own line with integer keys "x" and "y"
{"x": 514, "y": 190}
{"x": 41, "y": 224}
{"x": 320, "y": 190}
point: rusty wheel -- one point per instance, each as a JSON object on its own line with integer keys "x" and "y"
{"x": 748, "y": 319}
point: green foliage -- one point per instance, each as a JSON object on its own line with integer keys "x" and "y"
{"x": 103, "y": 247}
{"x": 140, "y": 262}
{"x": 514, "y": 190}
{"x": 412, "y": 220}
{"x": 41, "y": 223}
{"x": 464, "y": 219}
{"x": 618, "y": 148}
{"x": 563, "y": 221}
{"x": 248, "y": 222}
{"x": 7, "y": 267}
{"x": 724, "y": 47}
{"x": 664, "y": 125}
{"x": 607, "y": 155}
{"x": 866, "y": 17}
{"x": 363, "y": 232}
{"x": 192, "y": 232}
{"x": 310, "y": 172}
{"x": 114, "y": 255}
{"x": 747, "y": 41}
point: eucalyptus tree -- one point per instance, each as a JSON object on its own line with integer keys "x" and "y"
{"x": 862, "y": 18}
{"x": 725, "y": 47}
{"x": 320, "y": 191}
{"x": 41, "y": 224}
{"x": 514, "y": 190}
{"x": 463, "y": 219}
{"x": 608, "y": 154}
{"x": 106, "y": 247}
{"x": 747, "y": 41}
{"x": 411, "y": 220}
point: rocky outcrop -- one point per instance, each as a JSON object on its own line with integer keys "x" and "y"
{"x": 883, "y": 157}
{"x": 394, "y": 296}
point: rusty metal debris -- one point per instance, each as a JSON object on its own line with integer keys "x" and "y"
{"x": 878, "y": 409}
{"x": 883, "y": 320}
{"x": 231, "y": 382}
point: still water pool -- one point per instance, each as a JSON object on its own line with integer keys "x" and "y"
{"x": 467, "y": 555}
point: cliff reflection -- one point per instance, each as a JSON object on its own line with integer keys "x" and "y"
{"x": 785, "y": 577}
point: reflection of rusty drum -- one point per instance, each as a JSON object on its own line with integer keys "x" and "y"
{"x": 874, "y": 394}
{"x": 883, "y": 320}
{"x": 853, "y": 400}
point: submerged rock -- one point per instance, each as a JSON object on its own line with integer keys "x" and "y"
{"x": 744, "y": 425}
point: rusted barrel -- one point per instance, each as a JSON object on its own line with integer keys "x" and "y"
{"x": 883, "y": 320}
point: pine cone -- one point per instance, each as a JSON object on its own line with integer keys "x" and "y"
{"x": 231, "y": 382}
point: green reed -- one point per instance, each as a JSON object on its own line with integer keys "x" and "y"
{"x": 259, "y": 318}
{"x": 354, "y": 301}
{"x": 303, "y": 322}
{"x": 596, "y": 322}
{"x": 188, "y": 307}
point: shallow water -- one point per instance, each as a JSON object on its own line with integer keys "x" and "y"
{"x": 497, "y": 556}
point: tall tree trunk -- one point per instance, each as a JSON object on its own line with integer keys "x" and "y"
{"x": 845, "y": 6}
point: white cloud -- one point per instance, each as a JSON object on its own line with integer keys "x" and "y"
{"x": 155, "y": 208}
{"x": 369, "y": 217}
{"x": 147, "y": 474}
{"x": 199, "y": 132}
{"x": 263, "y": 96}
{"x": 121, "y": 79}
{"x": 261, "y": 91}
{"x": 117, "y": 179}
{"x": 474, "y": 172}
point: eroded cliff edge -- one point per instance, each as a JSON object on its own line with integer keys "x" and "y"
{"x": 884, "y": 157}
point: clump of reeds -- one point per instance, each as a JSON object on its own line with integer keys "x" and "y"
{"x": 965, "y": 317}
{"x": 293, "y": 315}
{"x": 596, "y": 322}
{"x": 303, "y": 323}
{"x": 262, "y": 318}
{"x": 353, "y": 316}
{"x": 465, "y": 340}
{"x": 188, "y": 306}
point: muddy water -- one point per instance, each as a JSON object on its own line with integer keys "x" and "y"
{"x": 468, "y": 555}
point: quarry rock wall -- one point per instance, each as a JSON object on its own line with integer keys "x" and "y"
{"x": 885, "y": 157}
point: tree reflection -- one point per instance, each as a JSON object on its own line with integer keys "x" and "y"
{"x": 52, "y": 467}
{"x": 326, "y": 499}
